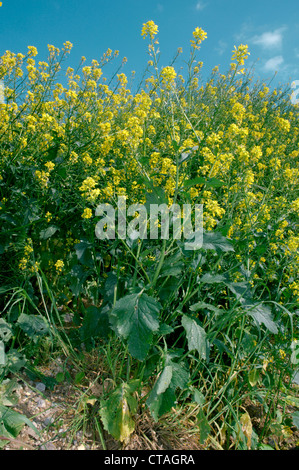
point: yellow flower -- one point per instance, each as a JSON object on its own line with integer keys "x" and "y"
{"x": 240, "y": 53}
{"x": 149, "y": 29}
{"x": 68, "y": 46}
{"x": 48, "y": 216}
{"x": 199, "y": 35}
{"x": 32, "y": 51}
{"x": 168, "y": 75}
{"x": 59, "y": 266}
{"x": 87, "y": 214}
{"x": 282, "y": 353}
{"x": 50, "y": 165}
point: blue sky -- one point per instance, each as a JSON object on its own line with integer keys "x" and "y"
{"x": 269, "y": 27}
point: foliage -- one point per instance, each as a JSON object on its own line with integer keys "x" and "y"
{"x": 214, "y": 326}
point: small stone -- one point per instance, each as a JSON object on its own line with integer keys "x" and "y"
{"x": 48, "y": 446}
{"x": 41, "y": 403}
{"x": 81, "y": 447}
{"x": 48, "y": 421}
{"x": 40, "y": 387}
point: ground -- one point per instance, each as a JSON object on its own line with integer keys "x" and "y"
{"x": 61, "y": 414}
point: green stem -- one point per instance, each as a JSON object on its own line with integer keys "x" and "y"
{"x": 161, "y": 261}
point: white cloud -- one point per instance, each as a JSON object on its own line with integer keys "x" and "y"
{"x": 221, "y": 47}
{"x": 270, "y": 39}
{"x": 273, "y": 64}
{"x": 200, "y": 5}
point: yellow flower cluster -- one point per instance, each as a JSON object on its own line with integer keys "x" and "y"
{"x": 149, "y": 29}
{"x": 199, "y": 35}
{"x": 88, "y": 141}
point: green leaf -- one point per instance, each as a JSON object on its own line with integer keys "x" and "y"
{"x": 241, "y": 290}
{"x": 116, "y": 412}
{"x": 2, "y": 354}
{"x": 209, "y": 278}
{"x": 14, "y": 360}
{"x": 180, "y": 374}
{"x": 216, "y": 241}
{"x": 48, "y": 232}
{"x": 262, "y": 314}
{"x": 159, "y": 402}
{"x": 33, "y": 325}
{"x": 198, "y": 397}
{"x": 8, "y": 397}
{"x": 203, "y": 305}
{"x": 253, "y": 377}
{"x": 204, "y": 427}
{"x": 78, "y": 276}
{"x": 291, "y": 400}
{"x": 60, "y": 377}
{"x": 84, "y": 254}
{"x": 172, "y": 266}
{"x": 295, "y": 418}
{"x": 14, "y": 421}
{"x": 79, "y": 377}
{"x": 156, "y": 196}
{"x": 164, "y": 380}
{"x": 135, "y": 317}
{"x": 196, "y": 336}
{"x": 95, "y": 323}
{"x": 222, "y": 347}
{"x": 110, "y": 286}
{"x": 214, "y": 183}
{"x": 295, "y": 352}
{"x": 194, "y": 182}
{"x": 265, "y": 447}
{"x": 5, "y": 330}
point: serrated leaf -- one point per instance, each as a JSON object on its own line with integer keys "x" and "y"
{"x": 194, "y": 182}
{"x": 295, "y": 418}
{"x": 14, "y": 360}
{"x": 161, "y": 397}
{"x": 295, "y": 378}
{"x": 165, "y": 329}
{"x": 292, "y": 401}
{"x": 246, "y": 428}
{"x": 135, "y": 318}
{"x": 216, "y": 241}
{"x": 95, "y": 323}
{"x": 84, "y": 254}
{"x": 265, "y": 447}
{"x": 2, "y": 354}
{"x": 8, "y": 397}
{"x": 196, "y": 336}
{"x": 204, "y": 427}
{"x": 203, "y": 305}
{"x": 163, "y": 381}
{"x": 172, "y": 266}
{"x": 295, "y": 352}
{"x": 214, "y": 183}
{"x": 33, "y": 325}
{"x": 209, "y": 278}
{"x": 116, "y": 413}
{"x": 48, "y": 232}
{"x": 262, "y": 314}
{"x": 198, "y": 397}
{"x": 253, "y": 377}
{"x": 241, "y": 290}
{"x": 13, "y": 421}
{"x": 180, "y": 374}
{"x": 5, "y": 330}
